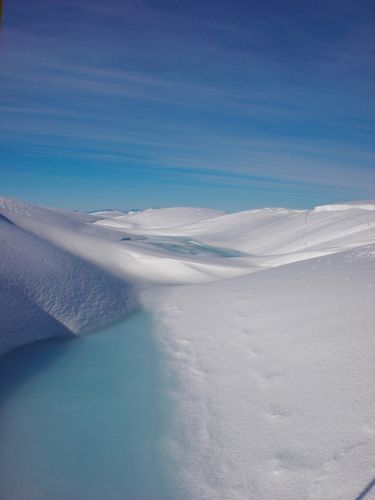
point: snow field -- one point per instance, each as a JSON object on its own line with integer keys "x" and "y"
{"x": 268, "y": 339}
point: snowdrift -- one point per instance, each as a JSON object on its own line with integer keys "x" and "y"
{"x": 64, "y": 272}
{"x": 48, "y": 292}
{"x": 272, "y": 379}
{"x": 268, "y": 339}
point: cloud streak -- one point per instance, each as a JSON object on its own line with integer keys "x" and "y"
{"x": 223, "y": 96}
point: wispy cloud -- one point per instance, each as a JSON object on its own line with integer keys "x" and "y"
{"x": 218, "y": 98}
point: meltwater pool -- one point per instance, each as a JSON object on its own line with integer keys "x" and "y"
{"x": 85, "y": 419}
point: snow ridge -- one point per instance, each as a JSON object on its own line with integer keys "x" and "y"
{"x": 47, "y": 292}
{"x": 268, "y": 338}
{"x": 82, "y": 270}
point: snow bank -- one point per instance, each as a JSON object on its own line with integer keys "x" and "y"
{"x": 47, "y": 292}
{"x": 272, "y": 377}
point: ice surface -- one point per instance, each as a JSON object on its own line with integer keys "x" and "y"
{"x": 191, "y": 247}
{"x": 266, "y": 346}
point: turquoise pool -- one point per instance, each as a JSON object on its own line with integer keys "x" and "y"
{"x": 85, "y": 419}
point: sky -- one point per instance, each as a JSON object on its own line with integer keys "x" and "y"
{"x": 229, "y": 104}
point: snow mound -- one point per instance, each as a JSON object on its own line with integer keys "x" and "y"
{"x": 271, "y": 374}
{"x": 46, "y": 291}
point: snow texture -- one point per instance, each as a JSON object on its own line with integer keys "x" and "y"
{"x": 48, "y": 292}
{"x": 269, "y": 337}
{"x": 272, "y": 376}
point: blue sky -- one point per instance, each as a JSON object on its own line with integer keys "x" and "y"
{"x": 229, "y": 104}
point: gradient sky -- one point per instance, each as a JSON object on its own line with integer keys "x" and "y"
{"x": 227, "y": 103}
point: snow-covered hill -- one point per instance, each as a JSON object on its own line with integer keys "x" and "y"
{"x": 269, "y": 341}
{"x": 80, "y": 270}
{"x": 161, "y": 218}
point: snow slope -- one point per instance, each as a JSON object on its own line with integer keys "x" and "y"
{"x": 47, "y": 292}
{"x": 275, "y": 233}
{"x": 262, "y": 238}
{"x": 55, "y": 259}
{"x": 161, "y": 218}
{"x": 268, "y": 337}
{"x": 272, "y": 376}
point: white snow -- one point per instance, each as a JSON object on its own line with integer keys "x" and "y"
{"x": 160, "y": 218}
{"x": 272, "y": 376}
{"x": 46, "y": 291}
{"x": 269, "y": 336}
{"x": 364, "y": 205}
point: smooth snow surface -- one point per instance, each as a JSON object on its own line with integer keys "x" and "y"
{"x": 273, "y": 377}
{"x": 267, "y": 343}
{"x": 364, "y": 205}
{"x": 161, "y": 218}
